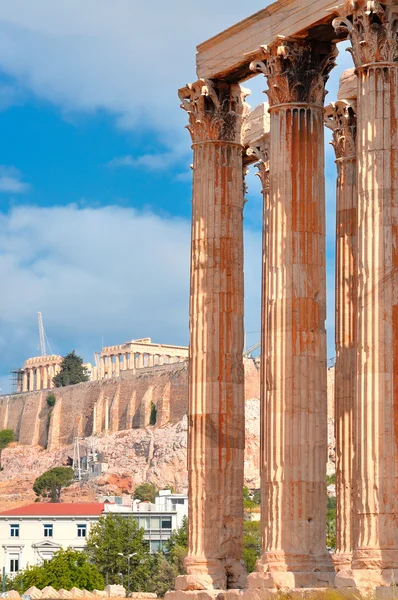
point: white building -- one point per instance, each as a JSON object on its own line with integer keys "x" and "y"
{"x": 31, "y": 534}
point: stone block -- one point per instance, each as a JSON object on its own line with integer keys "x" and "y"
{"x": 115, "y": 591}
{"x": 33, "y": 592}
{"x": 13, "y": 594}
{"x": 76, "y": 592}
{"x": 65, "y": 593}
{"x": 101, "y": 593}
{"x": 49, "y": 593}
{"x": 141, "y": 595}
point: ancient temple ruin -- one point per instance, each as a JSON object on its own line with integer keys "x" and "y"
{"x": 293, "y": 44}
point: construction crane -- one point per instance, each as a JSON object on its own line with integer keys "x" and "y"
{"x": 42, "y": 336}
{"x": 249, "y": 351}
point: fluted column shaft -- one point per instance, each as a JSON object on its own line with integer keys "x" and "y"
{"x": 25, "y": 381}
{"x": 216, "y": 379}
{"x": 294, "y": 412}
{"x": 341, "y": 119}
{"x": 373, "y": 32}
{"x": 45, "y": 377}
{"x": 102, "y": 367}
{"x": 31, "y": 380}
{"x": 117, "y": 365}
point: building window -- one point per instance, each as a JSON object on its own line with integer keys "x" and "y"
{"x": 48, "y": 530}
{"x": 156, "y": 545}
{"x": 14, "y": 530}
{"x": 166, "y": 522}
{"x": 82, "y": 531}
{"x": 14, "y": 564}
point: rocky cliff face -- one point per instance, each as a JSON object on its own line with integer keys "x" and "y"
{"x": 156, "y": 454}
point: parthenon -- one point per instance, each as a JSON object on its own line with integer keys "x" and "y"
{"x": 293, "y": 44}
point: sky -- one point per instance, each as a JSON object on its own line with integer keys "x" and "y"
{"x": 95, "y": 183}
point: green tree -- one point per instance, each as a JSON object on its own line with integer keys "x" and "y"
{"x": 51, "y": 399}
{"x": 146, "y": 492}
{"x": 251, "y": 543}
{"x": 67, "y": 569}
{"x": 176, "y": 547}
{"x": 6, "y": 437}
{"x": 251, "y": 499}
{"x": 72, "y": 371}
{"x": 111, "y": 540}
{"x": 50, "y": 483}
{"x": 163, "y": 578}
{"x": 331, "y": 523}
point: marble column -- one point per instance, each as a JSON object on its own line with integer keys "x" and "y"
{"x": 340, "y": 117}
{"x": 117, "y": 365}
{"x": 31, "y": 380}
{"x": 45, "y": 377}
{"x": 261, "y": 152}
{"x": 38, "y": 378}
{"x": 294, "y": 412}
{"x": 25, "y": 381}
{"x": 102, "y": 367}
{"x": 140, "y": 360}
{"x": 217, "y": 116}
{"x": 110, "y": 367}
{"x": 373, "y": 31}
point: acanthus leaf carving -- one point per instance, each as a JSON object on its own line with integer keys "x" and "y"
{"x": 261, "y": 151}
{"x": 373, "y": 31}
{"x": 217, "y": 111}
{"x": 340, "y": 117}
{"x": 296, "y": 70}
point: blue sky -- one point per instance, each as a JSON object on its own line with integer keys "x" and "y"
{"x": 95, "y": 192}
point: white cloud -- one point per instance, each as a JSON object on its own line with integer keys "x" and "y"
{"x": 11, "y": 180}
{"x": 123, "y": 56}
{"x": 149, "y": 162}
{"x": 106, "y": 274}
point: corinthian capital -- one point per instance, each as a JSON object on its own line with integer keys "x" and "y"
{"x": 297, "y": 70}
{"x": 260, "y": 150}
{"x": 217, "y": 110}
{"x": 373, "y": 31}
{"x": 341, "y": 118}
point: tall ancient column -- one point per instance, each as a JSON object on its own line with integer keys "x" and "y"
{"x": 45, "y": 377}
{"x": 117, "y": 365}
{"x": 216, "y": 435}
{"x": 340, "y": 117}
{"x": 38, "y": 378}
{"x": 372, "y": 29}
{"x": 25, "y": 381}
{"x": 102, "y": 367}
{"x": 31, "y": 380}
{"x": 294, "y": 415}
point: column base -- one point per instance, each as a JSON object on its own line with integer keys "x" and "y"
{"x": 289, "y": 580}
{"x": 368, "y": 579}
{"x": 273, "y": 594}
{"x": 212, "y": 574}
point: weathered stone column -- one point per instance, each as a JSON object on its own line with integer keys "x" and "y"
{"x": 340, "y": 117}
{"x": 117, "y": 365}
{"x": 45, "y": 377}
{"x": 140, "y": 360}
{"x": 102, "y": 367}
{"x": 217, "y": 114}
{"x": 110, "y": 367}
{"x": 25, "y": 381}
{"x": 372, "y": 29}
{"x": 31, "y": 380}
{"x": 294, "y": 415}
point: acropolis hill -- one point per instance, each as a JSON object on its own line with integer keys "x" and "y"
{"x": 116, "y": 413}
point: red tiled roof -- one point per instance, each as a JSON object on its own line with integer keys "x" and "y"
{"x": 49, "y": 509}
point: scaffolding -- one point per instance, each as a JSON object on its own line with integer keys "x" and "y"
{"x": 16, "y": 381}
{"x": 87, "y": 461}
